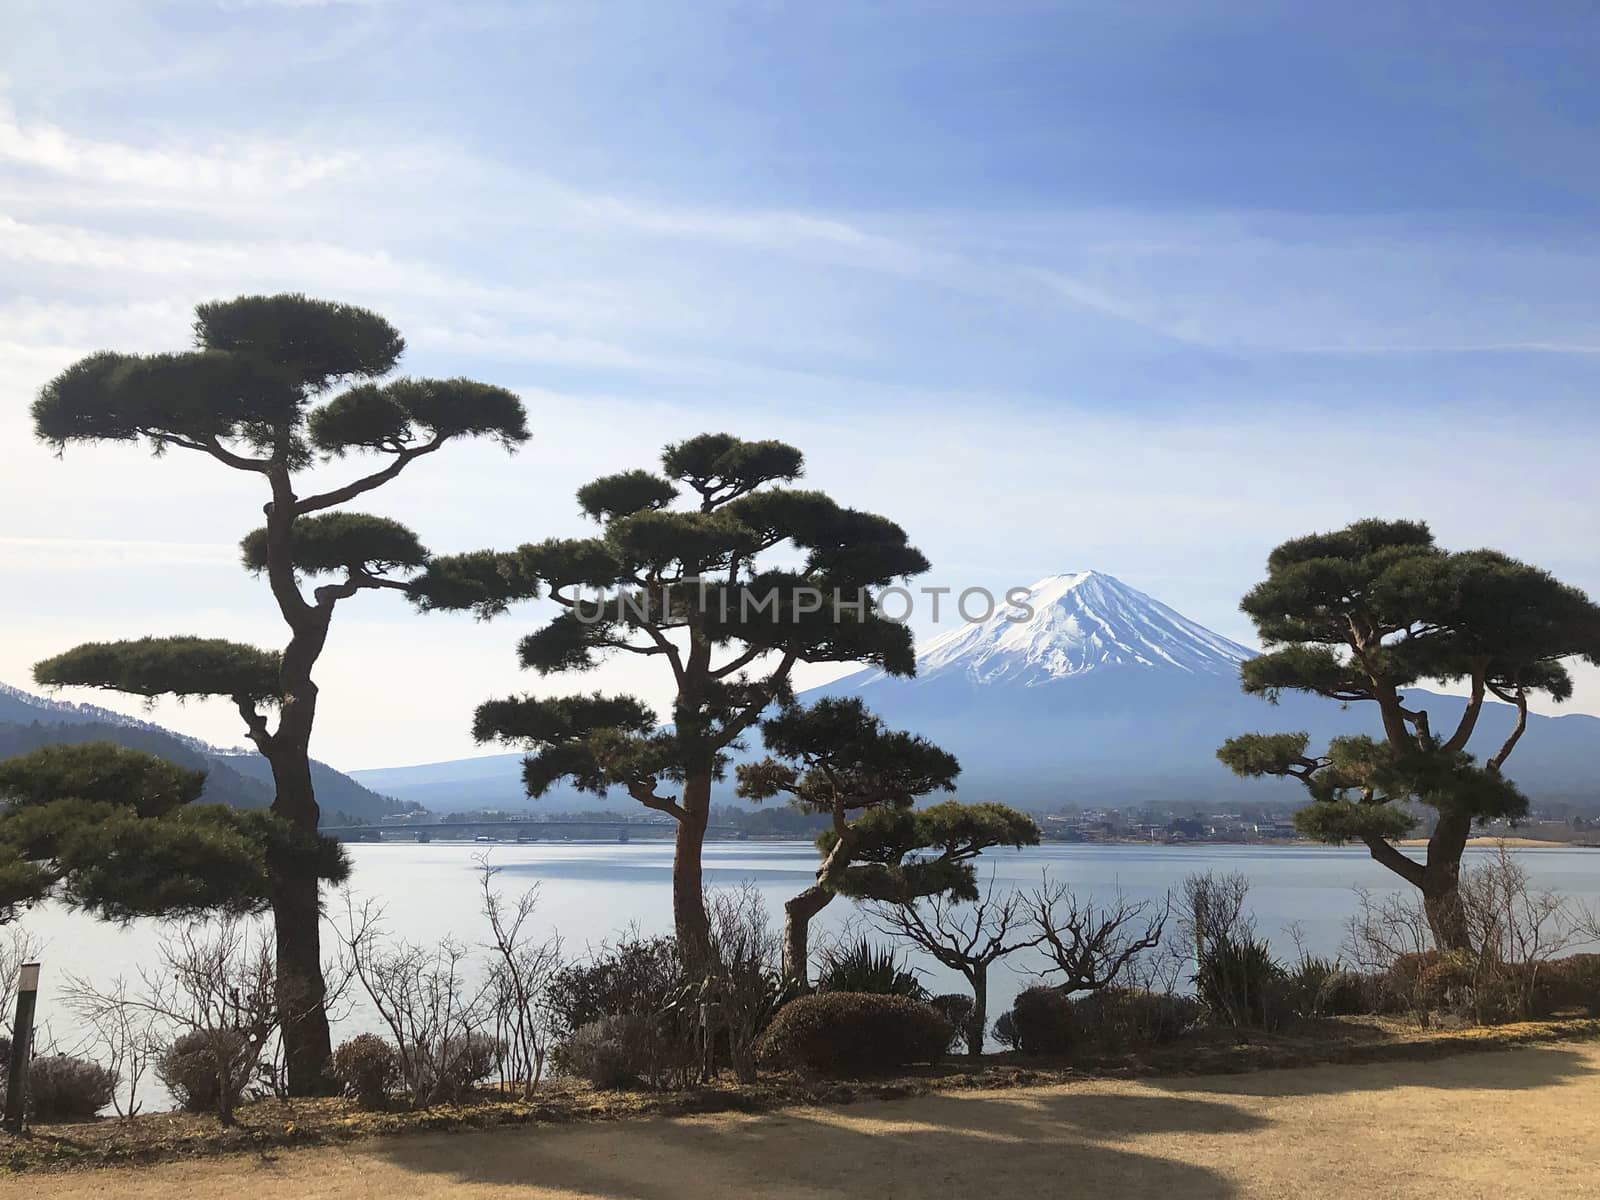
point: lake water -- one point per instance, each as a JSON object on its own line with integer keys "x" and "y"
{"x": 589, "y": 891}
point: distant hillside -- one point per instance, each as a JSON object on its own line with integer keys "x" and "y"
{"x": 1105, "y": 697}
{"x": 238, "y": 777}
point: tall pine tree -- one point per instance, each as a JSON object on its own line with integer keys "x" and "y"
{"x": 1362, "y": 613}
{"x": 260, "y": 394}
{"x": 728, "y": 591}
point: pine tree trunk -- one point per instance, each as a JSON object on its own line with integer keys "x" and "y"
{"x": 296, "y": 901}
{"x": 797, "y": 914}
{"x": 979, "y": 1020}
{"x": 689, "y": 920}
{"x": 297, "y": 921}
{"x": 1441, "y": 883}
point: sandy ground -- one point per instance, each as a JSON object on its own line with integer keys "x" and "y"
{"x": 1510, "y": 843}
{"x": 1509, "y": 1124}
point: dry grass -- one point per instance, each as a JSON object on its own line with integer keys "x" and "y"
{"x": 1524, "y": 1122}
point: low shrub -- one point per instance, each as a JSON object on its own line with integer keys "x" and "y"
{"x": 1568, "y": 984}
{"x": 1116, "y": 1017}
{"x": 631, "y": 975}
{"x": 1429, "y": 981}
{"x": 368, "y": 1067}
{"x": 873, "y": 970}
{"x": 610, "y": 1053}
{"x": 956, "y": 1008}
{"x": 1041, "y": 1022}
{"x": 851, "y": 1033}
{"x": 448, "y": 1070}
{"x": 1321, "y": 987}
{"x": 206, "y": 1069}
{"x": 1242, "y": 984}
{"x": 62, "y": 1088}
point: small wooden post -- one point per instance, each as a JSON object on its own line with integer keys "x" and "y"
{"x": 21, "y": 1046}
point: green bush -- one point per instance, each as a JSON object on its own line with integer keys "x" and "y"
{"x": 610, "y": 1053}
{"x": 632, "y": 975}
{"x": 862, "y": 967}
{"x": 62, "y": 1088}
{"x": 852, "y": 1033}
{"x": 199, "y": 1065}
{"x": 955, "y": 1007}
{"x": 368, "y": 1067}
{"x": 1040, "y": 1022}
{"x": 1320, "y": 987}
{"x": 1242, "y": 984}
{"x": 1116, "y": 1017}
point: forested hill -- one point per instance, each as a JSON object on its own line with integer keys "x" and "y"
{"x": 237, "y": 777}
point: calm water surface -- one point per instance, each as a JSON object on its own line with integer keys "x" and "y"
{"x": 589, "y": 891}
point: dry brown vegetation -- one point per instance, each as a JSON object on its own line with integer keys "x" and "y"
{"x": 267, "y": 1126}
{"x": 1332, "y": 1131}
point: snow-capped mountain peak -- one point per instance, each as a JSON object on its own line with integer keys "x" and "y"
{"x": 1072, "y": 624}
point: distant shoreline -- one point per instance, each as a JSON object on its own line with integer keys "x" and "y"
{"x": 1514, "y": 843}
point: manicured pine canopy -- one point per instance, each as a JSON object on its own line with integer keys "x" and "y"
{"x": 120, "y": 833}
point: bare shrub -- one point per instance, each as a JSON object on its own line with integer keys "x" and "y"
{"x": 433, "y": 1011}
{"x": 745, "y": 984}
{"x": 1212, "y": 910}
{"x": 1516, "y": 934}
{"x": 1093, "y": 946}
{"x": 1516, "y": 931}
{"x": 17, "y": 946}
{"x": 126, "y": 1035}
{"x": 967, "y": 936}
{"x": 522, "y": 967}
{"x": 210, "y": 1002}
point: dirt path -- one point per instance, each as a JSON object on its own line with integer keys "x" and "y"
{"x": 1520, "y": 1123}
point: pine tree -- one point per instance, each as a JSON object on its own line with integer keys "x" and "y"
{"x": 257, "y": 395}
{"x": 1360, "y": 614}
{"x": 121, "y": 834}
{"x": 702, "y": 588}
{"x": 838, "y": 759}
{"x": 917, "y": 867}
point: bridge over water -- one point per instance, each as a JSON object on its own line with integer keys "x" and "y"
{"x": 530, "y": 831}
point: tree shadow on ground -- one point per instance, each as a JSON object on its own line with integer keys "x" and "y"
{"x": 1507, "y": 1070}
{"x": 973, "y": 1144}
{"x": 1089, "y": 1140}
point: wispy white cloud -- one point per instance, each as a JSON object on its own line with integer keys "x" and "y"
{"x": 249, "y": 167}
{"x": 100, "y": 554}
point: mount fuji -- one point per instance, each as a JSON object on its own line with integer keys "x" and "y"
{"x": 1094, "y": 693}
{"x": 1089, "y": 692}
{"x": 1071, "y": 625}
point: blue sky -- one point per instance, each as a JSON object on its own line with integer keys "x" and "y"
{"x": 1140, "y": 287}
